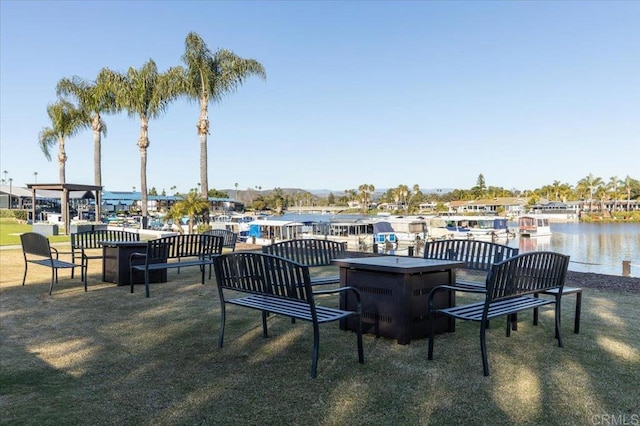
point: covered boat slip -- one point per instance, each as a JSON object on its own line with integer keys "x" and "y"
{"x": 264, "y": 231}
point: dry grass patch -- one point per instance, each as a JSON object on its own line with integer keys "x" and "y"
{"x": 111, "y": 357}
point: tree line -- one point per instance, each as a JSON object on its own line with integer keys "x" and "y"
{"x": 590, "y": 189}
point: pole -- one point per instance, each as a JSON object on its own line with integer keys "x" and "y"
{"x": 626, "y": 268}
{"x": 10, "y": 192}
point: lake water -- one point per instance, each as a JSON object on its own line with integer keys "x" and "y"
{"x": 593, "y": 247}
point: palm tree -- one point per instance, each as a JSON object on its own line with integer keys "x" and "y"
{"x": 94, "y": 98}
{"x": 211, "y": 76}
{"x": 66, "y": 121}
{"x": 592, "y": 184}
{"x": 628, "y": 184}
{"x": 191, "y": 205}
{"x": 614, "y": 185}
{"x": 144, "y": 93}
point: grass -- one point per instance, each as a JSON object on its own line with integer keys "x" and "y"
{"x": 10, "y": 231}
{"x": 111, "y": 357}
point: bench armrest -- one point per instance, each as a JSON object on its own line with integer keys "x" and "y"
{"x": 137, "y": 256}
{"x": 439, "y": 288}
{"x": 342, "y": 290}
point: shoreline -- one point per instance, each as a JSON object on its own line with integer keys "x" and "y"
{"x": 574, "y": 279}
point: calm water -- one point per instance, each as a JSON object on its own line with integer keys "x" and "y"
{"x": 593, "y": 247}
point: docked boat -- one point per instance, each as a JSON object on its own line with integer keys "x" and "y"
{"x": 533, "y": 226}
{"x": 472, "y": 227}
{"x": 408, "y": 228}
{"x": 265, "y": 232}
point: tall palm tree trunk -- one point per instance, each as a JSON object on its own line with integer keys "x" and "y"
{"x": 62, "y": 160}
{"x": 143, "y": 144}
{"x": 203, "y": 131}
{"x": 97, "y": 150}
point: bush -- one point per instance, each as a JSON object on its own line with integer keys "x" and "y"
{"x": 13, "y": 213}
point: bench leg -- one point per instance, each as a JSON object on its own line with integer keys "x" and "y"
{"x": 483, "y": 347}
{"x": 223, "y": 318}
{"x": 54, "y": 273}
{"x": 558, "y": 321}
{"x": 576, "y": 324}
{"x": 24, "y": 277}
{"x": 265, "y": 333}
{"x": 146, "y": 281}
{"x": 316, "y": 351}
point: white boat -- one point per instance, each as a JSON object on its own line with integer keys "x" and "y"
{"x": 408, "y": 228}
{"x": 265, "y": 232}
{"x": 472, "y": 227}
{"x": 533, "y": 226}
{"x": 490, "y": 227}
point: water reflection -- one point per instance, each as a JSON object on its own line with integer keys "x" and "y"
{"x": 593, "y": 247}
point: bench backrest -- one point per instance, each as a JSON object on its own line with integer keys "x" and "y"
{"x": 35, "y": 244}
{"x": 188, "y": 245}
{"x": 259, "y": 273}
{"x": 526, "y": 273}
{"x": 477, "y": 255}
{"x": 309, "y": 252}
{"x": 229, "y": 237}
{"x": 89, "y": 239}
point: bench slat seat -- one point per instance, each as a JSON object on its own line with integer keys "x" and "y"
{"x": 286, "y": 307}
{"x": 511, "y": 286}
{"x": 273, "y": 284}
{"x": 474, "y": 311}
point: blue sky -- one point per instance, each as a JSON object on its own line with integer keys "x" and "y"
{"x": 383, "y": 93}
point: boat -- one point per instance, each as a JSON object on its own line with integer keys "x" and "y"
{"x": 265, "y": 232}
{"x": 471, "y": 227}
{"x": 384, "y": 234}
{"x": 533, "y": 226}
{"x": 489, "y": 227}
{"x": 409, "y": 228}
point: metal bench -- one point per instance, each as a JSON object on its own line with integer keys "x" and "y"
{"x": 82, "y": 244}
{"x": 272, "y": 284}
{"x": 312, "y": 253}
{"x": 176, "y": 251}
{"x": 37, "y": 250}
{"x": 230, "y": 237}
{"x": 477, "y": 255}
{"x": 511, "y": 286}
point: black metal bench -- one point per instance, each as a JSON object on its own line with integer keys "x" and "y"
{"x": 37, "y": 250}
{"x": 276, "y": 285}
{"x": 477, "y": 255}
{"x": 230, "y": 237}
{"x": 176, "y": 251}
{"x": 511, "y": 286}
{"x": 84, "y": 244}
{"x": 311, "y": 253}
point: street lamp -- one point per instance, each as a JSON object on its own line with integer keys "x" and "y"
{"x": 10, "y": 192}
{"x": 35, "y": 175}
{"x": 5, "y": 176}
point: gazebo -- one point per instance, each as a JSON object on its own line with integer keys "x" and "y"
{"x": 65, "y": 188}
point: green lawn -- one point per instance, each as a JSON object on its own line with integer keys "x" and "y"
{"x": 10, "y": 231}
